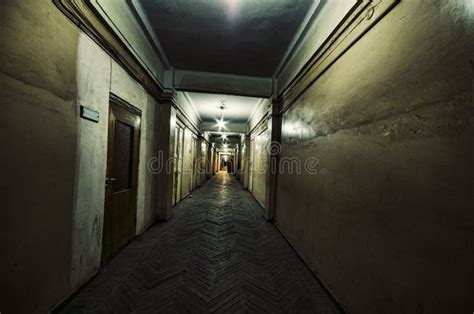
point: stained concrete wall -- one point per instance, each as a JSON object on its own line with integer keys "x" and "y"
{"x": 39, "y": 135}
{"x": 97, "y": 77}
{"x": 387, "y": 220}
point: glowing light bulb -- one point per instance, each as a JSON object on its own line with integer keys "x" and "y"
{"x": 220, "y": 124}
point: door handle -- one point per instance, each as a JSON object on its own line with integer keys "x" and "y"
{"x": 109, "y": 181}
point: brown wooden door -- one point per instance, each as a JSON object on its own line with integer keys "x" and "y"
{"x": 178, "y": 164}
{"x": 121, "y": 180}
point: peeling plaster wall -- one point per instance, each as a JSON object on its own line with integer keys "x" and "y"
{"x": 39, "y": 134}
{"x": 387, "y": 220}
{"x": 97, "y": 76}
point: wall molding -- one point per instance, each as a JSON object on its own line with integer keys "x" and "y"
{"x": 262, "y": 122}
{"x": 144, "y": 22}
{"x": 188, "y": 124}
{"x": 259, "y": 103}
{"x": 171, "y": 98}
{"x": 193, "y": 106}
{"x": 85, "y": 16}
{"x": 363, "y": 16}
{"x": 300, "y": 33}
{"x": 124, "y": 104}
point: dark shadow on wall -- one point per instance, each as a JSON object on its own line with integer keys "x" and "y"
{"x": 38, "y": 49}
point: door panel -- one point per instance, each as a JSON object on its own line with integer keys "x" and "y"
{"x": 121, "y": 180}
{"x": 123, "y": 157}
{"x": 260, "y": 166}
{"x": 251, "y": 164}
{"x": 193, "y": 165}
{"x": 178, "y": 166}
{"x": 180, "y": 163}
{"x": 175, "y": 166}
{"x": 186, "y": 180}
{"x": 211, "y": 160}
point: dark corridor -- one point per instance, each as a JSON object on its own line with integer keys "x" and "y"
{"x": 217, "y": 254}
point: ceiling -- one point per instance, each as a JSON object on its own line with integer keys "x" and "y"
{"x": 236, "y": 108}
{"x": 241, "y": 37}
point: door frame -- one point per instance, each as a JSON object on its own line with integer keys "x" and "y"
{"x": 178, "y": 175}
{"x": 115, "y": 100}
{"x": 251, "y": 162}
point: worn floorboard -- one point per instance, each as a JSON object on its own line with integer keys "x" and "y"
{"x": 217, "y": 254}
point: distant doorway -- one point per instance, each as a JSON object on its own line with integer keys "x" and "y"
{"x": 122, "y": 177}
{"x": 226, "y": 163}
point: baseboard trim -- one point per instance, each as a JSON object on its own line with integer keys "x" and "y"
{"x": 326, "y": 289}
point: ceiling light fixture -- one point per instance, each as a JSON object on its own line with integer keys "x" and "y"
{"x": 221, "y": 122}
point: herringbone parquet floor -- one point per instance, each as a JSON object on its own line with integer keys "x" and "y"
{"x": 217, "y": 254}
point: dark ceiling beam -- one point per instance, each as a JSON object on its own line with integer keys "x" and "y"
{"x": 217, "y": 83}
